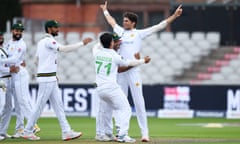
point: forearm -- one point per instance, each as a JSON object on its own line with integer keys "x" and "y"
{"x": 109, "y": 18}
{"x": 136, "y": 62}
{"x": 4, "y": 69}
{"x": 71, "y": 47}
{"x": 171, "y": 19}
{"x": 10, "y": 60}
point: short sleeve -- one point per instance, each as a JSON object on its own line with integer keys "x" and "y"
{"x": 118, "y": 29}
{"x": 120, "y": 60}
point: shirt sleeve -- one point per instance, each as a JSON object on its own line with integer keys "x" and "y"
{"x": 120, "y": 60}
{"x": 119, "y": 30}
{"x": 16, "y": 55}
{"x": 148, "y": 31}
{"x": 4, "y": 69}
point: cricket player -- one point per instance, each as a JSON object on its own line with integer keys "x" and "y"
{"x": 47, "y": 51}
{"x": 16, "y": 50}
{"x": 5, "y": 92}
{"x": 107, "y": 62}
{"x": 105, "y": 132}
{"x": 131, "y": 44}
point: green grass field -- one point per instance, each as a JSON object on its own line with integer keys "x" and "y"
{"x": 163, "y": 131}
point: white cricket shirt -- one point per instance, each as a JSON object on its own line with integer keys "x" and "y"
{"x": 107, "y": 62}
{"x": 47, "y": 52}
{"x": 16, "y": 51}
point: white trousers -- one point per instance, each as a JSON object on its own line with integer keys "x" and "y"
{"x": 6, "y": 106}
{"x": 132, "y": 79}
{"x": 113, "y": 98}
{"x": 104, "y": 125}
{"x": 49, "y": 91}
{"x": 22, "y": 99}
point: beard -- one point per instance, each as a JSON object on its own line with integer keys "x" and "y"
{"x": 17, "y": 37}
{"x": 54, "y": 34}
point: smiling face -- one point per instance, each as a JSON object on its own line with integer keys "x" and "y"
{"x": 129, "y": 20}
{"x": 17, "y": 34}
{"x": 128, "y": 24}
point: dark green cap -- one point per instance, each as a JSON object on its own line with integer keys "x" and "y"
{"x": 18, "y": 26}
{"x": 116, "y": 37}
{"x": 51, "y": 23}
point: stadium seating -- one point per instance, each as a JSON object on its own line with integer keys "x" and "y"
{"x": 171, "y": 55}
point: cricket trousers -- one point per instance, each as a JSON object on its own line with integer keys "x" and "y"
{"x": 132, "y": 79}
{"x": 49, "y": 91}
{"x": 104, "y": 124}
{"x": 22, "y": 99}
{"x": 112, "y": 98}
{"x": 6, "y": 105}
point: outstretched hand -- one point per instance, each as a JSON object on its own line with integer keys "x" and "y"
{"x": 104, "y": 6}
{"x": 147, "y": 59}
{"x": 178, "y": 11}
{"x": 87, "y": 40}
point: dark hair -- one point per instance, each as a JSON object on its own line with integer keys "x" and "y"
{"x": 131, "y": 16}
{"x": 106, "y": 39}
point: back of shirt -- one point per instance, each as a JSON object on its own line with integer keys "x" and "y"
{"x": 47, "y": 50}
{"x": 106, "y": 65}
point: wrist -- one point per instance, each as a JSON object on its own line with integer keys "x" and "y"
{"x": 105, "y": 12}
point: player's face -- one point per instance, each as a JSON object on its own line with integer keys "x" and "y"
{"x": 17, "y": 34}
{"x": 117, "y": 44}
{"x": 127, "y": 24}
{"x": 54, "y": 31}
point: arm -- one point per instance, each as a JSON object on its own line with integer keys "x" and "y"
{"x": 72, "y": 47}
{"x": 96, "y": 48}
{"x": 163, "y": 24}
{"x": 107, "y": 15}
{"x": 123, "y": 69}
{"x": 11, "y": 69}
{"x": 140, "y": 61}
{"x": 177, "y": 13}
{"x": 14, "y": 58}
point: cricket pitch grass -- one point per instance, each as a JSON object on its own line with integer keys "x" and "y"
{"x": 162, "y": 131}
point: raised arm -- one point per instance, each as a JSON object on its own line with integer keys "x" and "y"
{"x": 107, "y": 15}
{"x": 177, "y": 13}
{"x": 163, "y": 24}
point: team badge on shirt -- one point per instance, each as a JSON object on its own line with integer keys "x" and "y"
{"x": 19, "y": 49}
{"x": 132, "y": 35}
{"x": 137, "y": 84}
{"x": 54, "y": 42}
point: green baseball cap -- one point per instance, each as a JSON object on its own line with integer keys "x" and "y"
{"x": 51, "y": 23}
{"x": 18, "y": 26}
{"x": 116, "y": 37}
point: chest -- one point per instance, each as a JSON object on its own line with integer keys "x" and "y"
{"x": 14, "y": 48}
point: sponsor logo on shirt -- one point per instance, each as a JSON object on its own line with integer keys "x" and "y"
{"x": 54, "y": 42}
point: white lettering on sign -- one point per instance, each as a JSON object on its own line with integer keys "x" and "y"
{"x": 233, "y": 100}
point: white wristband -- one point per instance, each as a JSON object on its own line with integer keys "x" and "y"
{"x": 106, "y": 13}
